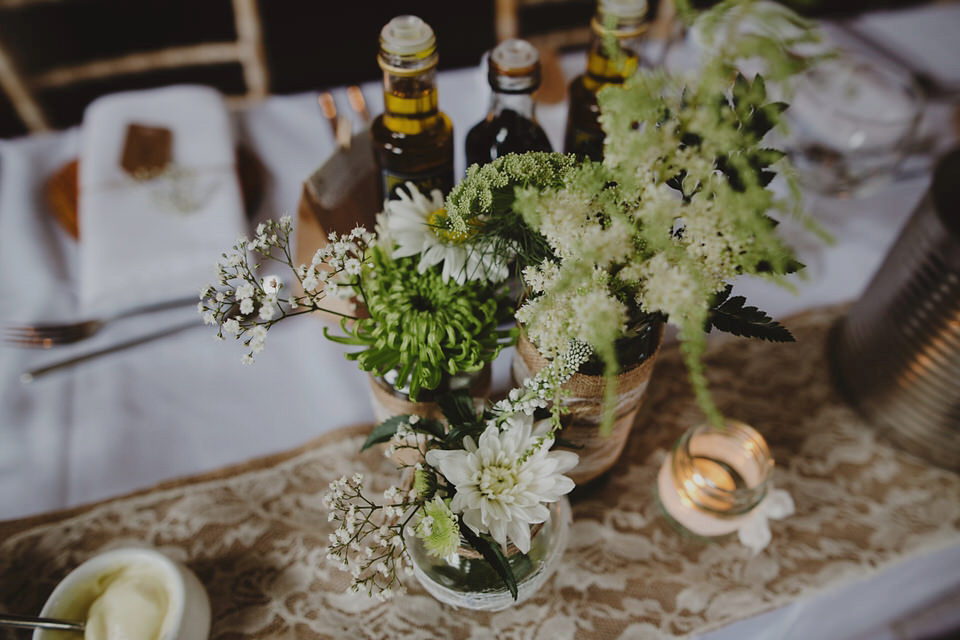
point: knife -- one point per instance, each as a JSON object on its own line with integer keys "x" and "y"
{"x": 29, "y": 376}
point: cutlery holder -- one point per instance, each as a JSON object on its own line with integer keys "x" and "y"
{"x": 896, "y": 355}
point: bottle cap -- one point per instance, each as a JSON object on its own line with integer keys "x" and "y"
{"x": 515, "y": 55}
{"x": 514, "y": 67}
{"x": 623, "y": 8}
{"x": 407, "y": 35}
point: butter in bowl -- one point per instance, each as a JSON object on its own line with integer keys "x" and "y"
{"x": 130, "y": 594}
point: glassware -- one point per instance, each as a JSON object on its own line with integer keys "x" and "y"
{"x": 628, "y": 22}
{"x": 510, "y": 125}
{"x": 714, "y": 478}
{"x": 412, "y": 139}
{"x": 851, "y": 124}
{"x": 466, "y": 580}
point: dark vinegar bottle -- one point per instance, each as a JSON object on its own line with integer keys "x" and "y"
{"x": 510, "y": 125}
{"x": 412, "y": 139}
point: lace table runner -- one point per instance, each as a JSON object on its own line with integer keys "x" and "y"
{"x": 256, "y": 535}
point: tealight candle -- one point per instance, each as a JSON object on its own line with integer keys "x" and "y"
{"x": 714, "y": 478}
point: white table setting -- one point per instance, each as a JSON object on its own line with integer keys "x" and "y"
{"x": 185, "y": 404}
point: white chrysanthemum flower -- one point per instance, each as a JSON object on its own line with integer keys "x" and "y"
{"x": 417, "y": 225}
{"x": 504, "y": 479}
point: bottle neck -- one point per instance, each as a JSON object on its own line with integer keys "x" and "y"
{"x": 410, "y": 101}
{"x": 613, "y": 67}
{"x": 520, "y": 103}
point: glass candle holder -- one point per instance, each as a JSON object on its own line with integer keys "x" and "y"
{"x": 714, "y": 478}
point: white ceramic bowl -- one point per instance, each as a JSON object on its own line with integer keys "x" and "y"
{"x": 189, "y": 605}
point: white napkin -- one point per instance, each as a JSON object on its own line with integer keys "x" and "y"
{"x": 154, "y": 240}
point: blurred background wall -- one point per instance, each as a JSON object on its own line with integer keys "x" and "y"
{"x": 61, "y": 54}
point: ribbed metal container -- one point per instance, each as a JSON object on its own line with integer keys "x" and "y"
{"x": 896, "y": 355}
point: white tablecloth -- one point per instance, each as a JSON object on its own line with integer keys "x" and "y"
{"x": 186, "y": 404}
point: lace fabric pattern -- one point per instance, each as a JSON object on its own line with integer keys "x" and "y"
{"x": 256, "y": 535}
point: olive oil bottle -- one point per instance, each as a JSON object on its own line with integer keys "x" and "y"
{"x": 412, "y": 139}
{"x": 510, "y": 125}
{"x": 627, "y": 21}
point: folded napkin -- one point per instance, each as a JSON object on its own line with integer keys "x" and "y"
{"x": 153, "y": 235}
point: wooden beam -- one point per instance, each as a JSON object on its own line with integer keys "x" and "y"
{"x": 172, "y": 57}
{"x": 20, "y": 96}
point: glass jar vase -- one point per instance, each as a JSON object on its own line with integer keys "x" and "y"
{"x": 467, "y": 581}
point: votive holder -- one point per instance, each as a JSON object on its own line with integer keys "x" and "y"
{"x": 713, "y": 479}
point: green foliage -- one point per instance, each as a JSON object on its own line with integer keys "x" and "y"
{"x": 679, "y": 206}
{"x": 386, "y": 429}
{"x": 737, "y": 30}
{"x": 731, "y": 315}
{"x": 483, "y": 201}
{"x": 421, "y": 326}
{"x": 493, "y": 555}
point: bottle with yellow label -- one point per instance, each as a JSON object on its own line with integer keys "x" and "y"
{"x": 412, "y": 139}
{"x": 627, "y": 21}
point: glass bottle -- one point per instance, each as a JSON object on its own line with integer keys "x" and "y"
{"x": 412, "y": 138}
{"x": 510, "y": 125}
{"x": 626, "y": 20}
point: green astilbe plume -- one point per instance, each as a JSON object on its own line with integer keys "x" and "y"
{"x": 679, "y": 207}
{"x": 482, "y": 204}
{"x": 421, "y": 326}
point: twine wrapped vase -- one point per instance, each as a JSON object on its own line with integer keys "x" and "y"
{"x": 581, "y": 429}
{"x": 389, "y": 401}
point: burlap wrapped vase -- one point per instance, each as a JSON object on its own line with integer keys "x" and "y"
{"x": 581, "y": 429}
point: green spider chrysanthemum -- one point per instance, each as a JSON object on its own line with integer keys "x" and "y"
{"x": 422, "y": 327}
{"x": 437, "y": 528}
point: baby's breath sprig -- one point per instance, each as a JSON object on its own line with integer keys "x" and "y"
{"x": 545, "y": 389}
{"x": 245, "y": 306}
{"x": 407, "y": 446}
{"x": 368, "y": 542}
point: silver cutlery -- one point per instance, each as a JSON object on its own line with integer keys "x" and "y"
{"x": 29, "y": 622}
{"x": 33, "y": 374}
{"x": 44, "y": 336}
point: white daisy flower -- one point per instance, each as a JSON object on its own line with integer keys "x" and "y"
{"x": 504, "y": 480}
{"x": 417, "y": 224}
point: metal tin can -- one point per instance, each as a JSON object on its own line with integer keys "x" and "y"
{"x": 895, "y": 356}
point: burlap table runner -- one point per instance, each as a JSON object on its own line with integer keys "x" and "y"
{"x": 256, "y": 534}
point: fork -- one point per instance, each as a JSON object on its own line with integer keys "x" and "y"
{"x": 44, "y": 336}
